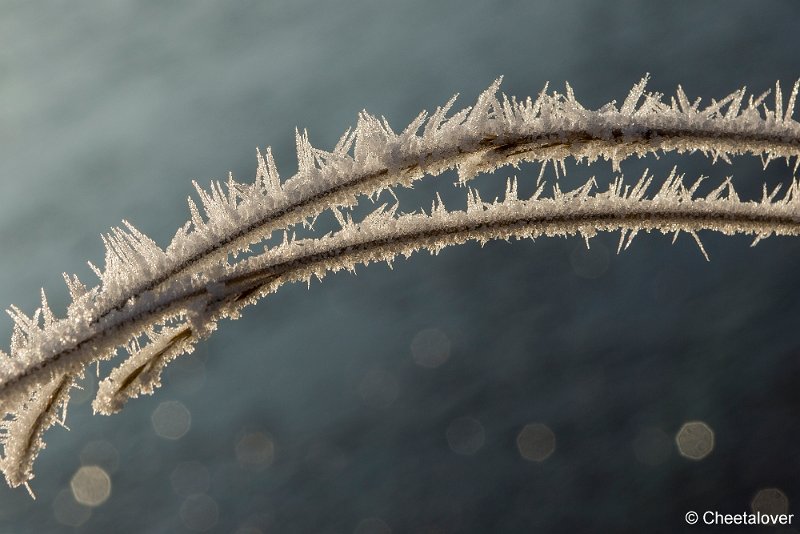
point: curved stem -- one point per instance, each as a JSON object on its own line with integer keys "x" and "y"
{"x": 382, "y": 237}
{"x": 510, "y": 141}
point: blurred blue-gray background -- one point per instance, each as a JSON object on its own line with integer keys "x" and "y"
{"x": 397, "y": 400}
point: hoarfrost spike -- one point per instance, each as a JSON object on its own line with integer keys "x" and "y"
{"x": 629, "y": 105}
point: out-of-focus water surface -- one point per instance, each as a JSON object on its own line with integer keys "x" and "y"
{"x": 514, "y": 388}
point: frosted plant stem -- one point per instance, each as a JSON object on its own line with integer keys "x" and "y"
{"x": 485, "y": 153}
{"x": 159, "y": 302}
{"x": 479, "y": 139}
{"x": 382, "y": 236}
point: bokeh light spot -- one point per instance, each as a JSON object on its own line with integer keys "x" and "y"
{"x": 255, "y": 449}
{"x": 430, "y": 348}
{"x": 465, "y": 435}
{"x": 68, "y": 511}
{"x": 171, "y": 420}
{"x": 695, "y": 440}
{"x": 91, "y": 485}
{"x": 536, "y": 442}
{"x": 770, "y": 501}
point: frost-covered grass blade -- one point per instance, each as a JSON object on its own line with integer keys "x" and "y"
{"x": 160, "y": 302}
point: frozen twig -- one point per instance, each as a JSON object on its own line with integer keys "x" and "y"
{"x": 159, "y": 303}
